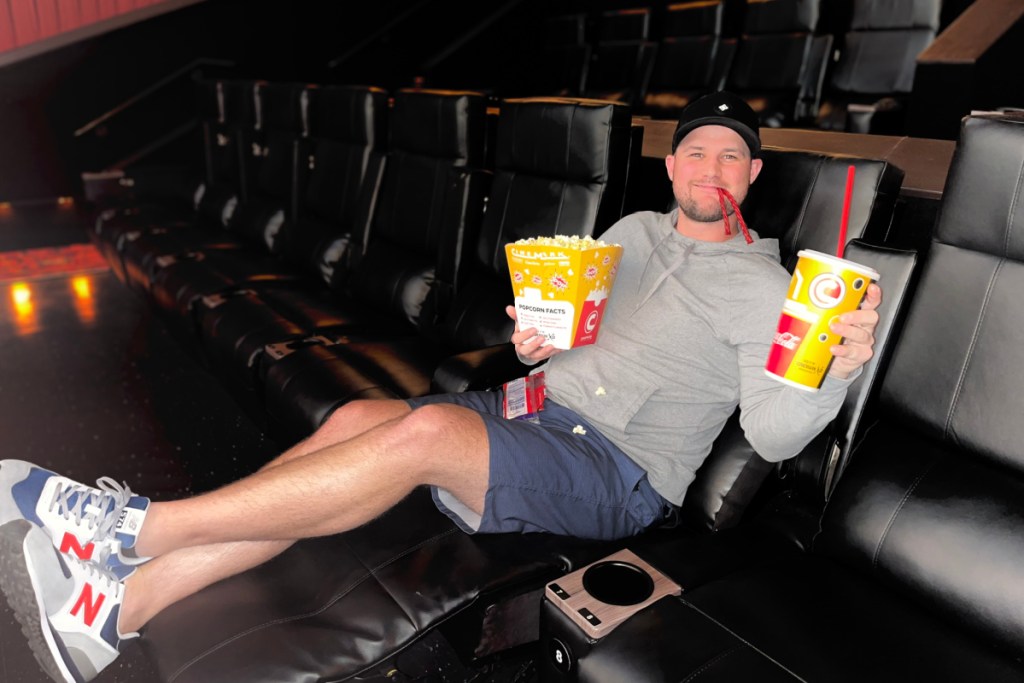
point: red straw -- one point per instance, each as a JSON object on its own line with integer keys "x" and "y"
{"x": 850, "y": 173}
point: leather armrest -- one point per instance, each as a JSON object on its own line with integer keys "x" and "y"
{"x": 479, "y": 369}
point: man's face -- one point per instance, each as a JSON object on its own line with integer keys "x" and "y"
{"x": 708, "y": 158}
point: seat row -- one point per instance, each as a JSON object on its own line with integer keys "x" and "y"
{"x": 338, "y": 247}
{"x": 302, "y": 304}
{"x": 792, "y": 66}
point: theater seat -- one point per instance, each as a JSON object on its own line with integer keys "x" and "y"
{"x": 691, "y": 58}
{"x": 916, "y": 571}
{"x": 780, "y": 61}
{"x": 872, "y": 80}
{"x": 227, "y": 111}
{"x": 357, "y": 604}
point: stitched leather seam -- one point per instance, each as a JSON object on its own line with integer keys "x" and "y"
{"x": 741, "y": 639}
{"x": 970, "y": 349}
{"x": 565, "y": 184}
{"x": 1013, "y": 210}
{"x": 284, "y": 620}
{"x": 896, "y": 513}
{"x": 807, "y": 200}
{"x": 711, "y": 662}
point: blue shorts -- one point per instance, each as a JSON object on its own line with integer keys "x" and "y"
{"x": 545, "y": 477}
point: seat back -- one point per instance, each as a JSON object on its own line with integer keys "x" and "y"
{"x": 436, "y": 138}
{"x": 565, "y": 56}
{"x": 340, "y": 169}
{"x": 622, "y": 57}
{"x": 686, "y": 64}
{"x": 268, "y": 204}
{"x": 561, "y": 167}
{"x": 798, "y": 199}
{"x": 226, "y": 159}
{"x": 780, "y": 62}
{"x": 932, "y": 503}
{"x": 876, "y": 65}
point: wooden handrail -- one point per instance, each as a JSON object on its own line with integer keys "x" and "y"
{"x": 973, "y": 33}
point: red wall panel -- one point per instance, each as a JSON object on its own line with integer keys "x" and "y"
{"x": 6, "y": 26}
{"x": 46, "y": 14}
{"x": 70, "y": 14}
{"x": 26, "y": 21}
{"x": 88, "y": 10}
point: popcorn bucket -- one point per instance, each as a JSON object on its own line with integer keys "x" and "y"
{"x": 561, "y": 286}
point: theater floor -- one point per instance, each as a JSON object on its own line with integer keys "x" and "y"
{"x": 92, "y": 385}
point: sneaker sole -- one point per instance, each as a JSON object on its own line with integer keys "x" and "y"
{"x": 19, "y": 588}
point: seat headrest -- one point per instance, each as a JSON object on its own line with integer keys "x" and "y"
{"x": 985, "y": 187}
{"x": 352, "y": 114}
{"x": 693, "y": 19}
{"x": 798, "y": 199}
{"x": 238, "y": 100}
{"x": 781, "y": 16}
{"x": 567, "y": 139}
{"x": 278, "y": 108}
{"x": 442, "y": 124}
{"x": 869, "y": 15}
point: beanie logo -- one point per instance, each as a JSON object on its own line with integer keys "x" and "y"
{"x": 723, "y": 107}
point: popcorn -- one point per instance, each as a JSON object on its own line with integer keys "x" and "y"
{"x": 578, "y": 429}
{"x": 574, "y": 242}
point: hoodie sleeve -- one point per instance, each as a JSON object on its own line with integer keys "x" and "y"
{"x": 778, "y": 420}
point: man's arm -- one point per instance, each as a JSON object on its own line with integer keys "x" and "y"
{"x": 779, "y": 421}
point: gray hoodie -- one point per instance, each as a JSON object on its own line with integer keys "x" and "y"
{"x": 683, "y": 341}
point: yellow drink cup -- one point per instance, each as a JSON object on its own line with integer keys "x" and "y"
{"x": 823, "y": 287}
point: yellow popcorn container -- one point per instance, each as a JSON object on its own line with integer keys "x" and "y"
{"x": 561, "y": 286}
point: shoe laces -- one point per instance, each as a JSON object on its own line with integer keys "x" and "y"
{"x": 99, "y": 574}
{"x": 89, "y": 506}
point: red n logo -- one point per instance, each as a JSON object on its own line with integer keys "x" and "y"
{"x": 70, "y": 544}
{"x": 92, "y": 609}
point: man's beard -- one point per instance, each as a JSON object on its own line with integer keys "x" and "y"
{"x": 692, "y": 210}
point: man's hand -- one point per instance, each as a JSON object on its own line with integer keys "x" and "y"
{"x": 858, "y": 329}
{"x": 529, "y": 343}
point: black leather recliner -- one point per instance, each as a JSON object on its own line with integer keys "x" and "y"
{"x": 227, "y": 110}
{"x": 916, "y": 571}
{"x": 179, "y": 269}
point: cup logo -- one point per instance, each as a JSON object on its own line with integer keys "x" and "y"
{"x": 591, "y": 322}
{"x": 827, "y": 290}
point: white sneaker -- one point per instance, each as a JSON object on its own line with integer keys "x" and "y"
{"x": 68, "y": 609}
{"x": 93, "y": 524}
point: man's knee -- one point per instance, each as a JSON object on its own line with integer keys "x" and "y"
{"x": 362, "y": 414}
{"x": 445, "y": 423}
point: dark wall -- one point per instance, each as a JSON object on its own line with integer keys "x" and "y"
{"x": 45, "y": 99}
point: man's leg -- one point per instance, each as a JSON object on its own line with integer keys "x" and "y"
{"x": 333, "y": 489}
{"x": 189, "y": 570}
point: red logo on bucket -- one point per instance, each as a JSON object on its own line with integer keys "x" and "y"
{"x": 590, "y": 320}
{"x": 785, "y": 344}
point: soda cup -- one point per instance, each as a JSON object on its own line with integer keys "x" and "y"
{"x": 823, "y": 287}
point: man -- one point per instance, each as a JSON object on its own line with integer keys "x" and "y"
{"x": 627, "y": 422}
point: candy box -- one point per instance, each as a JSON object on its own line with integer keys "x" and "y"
{"x": 561, "y": 285}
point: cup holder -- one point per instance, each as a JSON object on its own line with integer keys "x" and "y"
{"x": 618, "y": 583}
{"x": 602, "y": 595}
